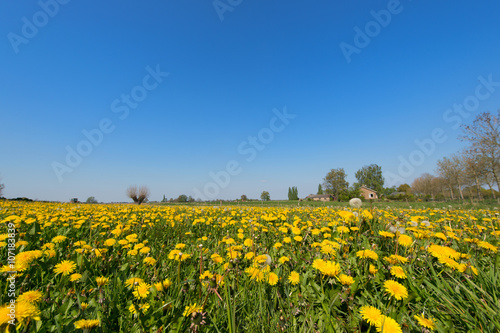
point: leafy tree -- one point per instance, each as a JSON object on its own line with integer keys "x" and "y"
{"x": 265, "y": 196}
{"x": 335, "y": 183}
{"x": 389, "y": 190}
{"x": 320, "y": 189}
{"x": 164, "y": 199}
{"x": 404, "y": 188}
{"x": 244, "y": 197}
{"x": 139, "y": 195}
{"x": 182, "y": 198}
{"x": 91, "y": 200}
{"x": 349, "y": 193}
{"x": 293, "y": 193}
{"x": 370, "y": 176}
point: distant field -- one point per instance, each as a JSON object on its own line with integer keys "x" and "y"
{"x": 485, "y": 204}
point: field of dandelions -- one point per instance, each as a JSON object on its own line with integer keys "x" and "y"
{"x": 128, "y": 268}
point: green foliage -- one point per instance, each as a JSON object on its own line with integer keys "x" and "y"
{"x": 404, "y": 188}
{"x": 351, "y": 192}
{"x": 244, "y": 197}
{"x": 91, "y": 200}
{"x": 293, "y": 193}
{"x": 371, "y": 177}
{"x": 320, "y": 190}
{"x": 335, "y": 182}
{"x": 182, "y": 198}
{"x": 265, "y": 196}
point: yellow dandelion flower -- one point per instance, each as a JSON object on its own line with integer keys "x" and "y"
{"x": 84, "y": 306}
{"x": 149, "y": 261}
{"x": 371, "y": 314}
{"x": 206, "y": 275}
{"x": 367, "y": 254}
{"x": 158, "y": 286}
{"x": 425, "y": 322}
{"x": 283, "y": 259}
{"x": 395, "y": 259}
{"x": 249, "y": 255}
{"x": 101, "y": 281}
{"x": 132, "y": 253}
{"x": 65, "y": 267}
{"x": 191, "y": 309}
{"x": 110, "y": 242}
{"x": 398, "y": 272}
{"x": 272, "y": 279}
{"x": 346, "y": 280}
{"x": 166, "y": 283}
{"x": 87, "y": 324}
{"x": 26, "y": 311}
{"x": 294, "y": 278}
{"x": 142, "y": 290}
{"x": 132, "y": 282}
{"x": 255, "y": 273}
{"x": 32, "y": 296}
{"x": 388, "y": 325}
{"x": 59, "y": 239}
{"x": 216, "y": 258}
{"x": 75, "y": 277}
{"x": 395, "y": 289}
{"x": 487, "y": 246}
{"x": 372, "y": 269}
{"x": 405, "y": 240}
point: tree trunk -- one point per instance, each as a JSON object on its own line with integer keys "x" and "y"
{"x": 491, "y": 189}
{"x": 478, "y": 189}
{"x": 460, "y": 191}
{"x": 497, "y": 181}
{"x": 451, "y": 193}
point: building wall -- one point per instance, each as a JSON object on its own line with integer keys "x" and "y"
{"x": 366, "y": 194}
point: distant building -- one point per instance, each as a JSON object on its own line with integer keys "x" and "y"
{"x": 74, "y": 200}
{"x": 321, "y": 197}
{"x": 368, "y": 193}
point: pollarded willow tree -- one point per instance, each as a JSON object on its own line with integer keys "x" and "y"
{"x": 138, "y": 194}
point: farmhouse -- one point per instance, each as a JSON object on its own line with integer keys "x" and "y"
{"x": 321, "y": 197}
{"x": 368, "y": 193}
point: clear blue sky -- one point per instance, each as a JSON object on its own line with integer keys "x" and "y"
{"x": 68, "y": 67}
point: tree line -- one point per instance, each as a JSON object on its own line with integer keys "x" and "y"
{"x": 472, "y": 172}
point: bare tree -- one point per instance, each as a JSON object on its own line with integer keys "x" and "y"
{"x": 423, "y": 185}
{"x": 484, "y": 136}
{"x": 139, "y": 195}
{"x": 450, "y": 169}
{"x": 474, "y": 167}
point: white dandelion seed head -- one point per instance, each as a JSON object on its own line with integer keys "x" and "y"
{"x": 355, "y": 202}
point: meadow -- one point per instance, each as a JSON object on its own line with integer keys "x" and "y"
{"x": 158, "y": 268}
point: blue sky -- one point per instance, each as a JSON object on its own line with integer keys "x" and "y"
{"x": 234, "y": 68}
